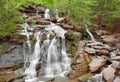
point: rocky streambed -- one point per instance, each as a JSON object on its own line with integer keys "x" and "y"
{"x": 92, "y": 61}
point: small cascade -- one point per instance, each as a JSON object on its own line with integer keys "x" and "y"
{"x": 90, "y": 34}
{"x": 47, "y": 14}
{"x": 31, "y": 70}
{"x": 56, "y": 15}
{"x": 26, "y": 26}
{"x": 27, "y": 45}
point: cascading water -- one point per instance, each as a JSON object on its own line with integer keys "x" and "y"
{"x": 58, "y": 62}
{"x": 31, "y": 70}
{"x": 27, "y": 45}
{"x": 47, "y": 14}
{"x": 91, "y": 36}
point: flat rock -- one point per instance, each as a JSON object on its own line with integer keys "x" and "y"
{"x": 60, "y": 20}
{"x": 115, "y": 58}
{"x": 94, "y": 44}
{"x": 90, "y": 50}
{"x": 96, "y": 64}
{"x": 109, "y": 74}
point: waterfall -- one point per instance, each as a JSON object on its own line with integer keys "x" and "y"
{"x": 90, "y": 34}
{"x": 47, "y": 14}
{"x": 31, "y": 70}
{"x": 51, "y": 52}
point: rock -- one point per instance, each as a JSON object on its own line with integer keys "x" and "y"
{"x": 42, "y": 22}
{"x": 90, "y": 50}
{"x": 81, "y": 46}
{"x": 67, "y": 26}
{"x": 94, "y": 44}
{"x": 11, "y": 59}
{"x": 117, "y": 58}
{"x": 97, "y": 47}
{"x": 96, "y": 78}
{"x": 117, "y": 79}
{"x": 69, "y": 35}
{"x": 36, "y": 17}
{"x": 77, "y": 34}
{"x": 112, "y": 39}
{"x": 116, "y": 64}
{"x": 51, "y": 19}
{"x": 108, "y": 47}
{"x": 78, "y": 29}
{"x": 96, "y": 64}
{"x": 102, "y": 32}
{"x": 102, "y": 52}
{"x": 7, "y": 77}
{"x": 109, "y": 74}
{"x": 60, "y": 20}
{"x": 85, "y": 77}
{"x": 79, "y": 67}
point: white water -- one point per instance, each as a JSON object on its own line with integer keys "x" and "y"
{"x": 26, "y": 26}
{"x": 47, "y": 14}
{"x": 91, "y": 36}
{"x": 31, "y": 70}
{"x": 27, "y": 45}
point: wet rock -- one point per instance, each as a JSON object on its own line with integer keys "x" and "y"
{"x": 109, "y": 74}
{"x": 116, "y": 64}
{"x": 117, "y": 58}
{"x": 90, "y": 50}
{"x": 102, "y": 52}
{"x": 96, "y": 64}
{"x": 111, "y": 39}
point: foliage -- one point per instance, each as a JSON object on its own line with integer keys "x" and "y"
{"x": 79, "y": 11}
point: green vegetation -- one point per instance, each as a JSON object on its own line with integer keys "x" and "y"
{"x": 91, "y": 12}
